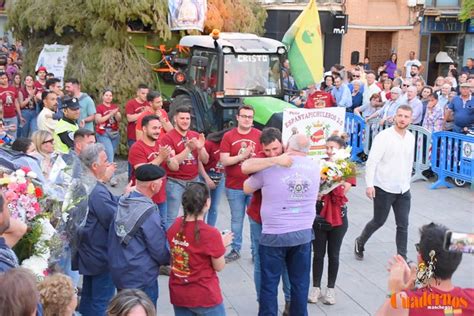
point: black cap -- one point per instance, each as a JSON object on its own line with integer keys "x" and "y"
{"x": 149, "y": 172}
{"x": 70, "y": 103}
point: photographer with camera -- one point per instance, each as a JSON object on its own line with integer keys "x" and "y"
{"x": 427, "y": 290}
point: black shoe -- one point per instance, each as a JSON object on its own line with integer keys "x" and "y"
{"x": 232, "y": 256}
{"x": 358, "y": 250}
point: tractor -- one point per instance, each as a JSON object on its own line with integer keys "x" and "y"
{"x": 227, "y": 70}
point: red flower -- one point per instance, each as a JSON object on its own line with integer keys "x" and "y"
{"x": 38, "y": 192}
{"x": 26, "y": 169}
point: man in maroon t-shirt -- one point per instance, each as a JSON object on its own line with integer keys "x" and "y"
{"x": 270, "y": 155}
{"x": 149, "y": 150}
{"x": 187, "y": 147}
{"x": 319, "y": 98}
{"x": 133, "y": 109}
{"x": 237, "y": 145}
{"x": 39, "y": 84}
{"x": 10, "y": 106}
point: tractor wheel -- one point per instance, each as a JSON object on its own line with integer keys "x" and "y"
{"x": 182, "y": 100}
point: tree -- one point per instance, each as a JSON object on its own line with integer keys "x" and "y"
{"x": 467, "y": 10}
{"x": 102, "y": 54}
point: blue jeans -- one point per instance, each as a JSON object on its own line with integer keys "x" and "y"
{"x": 65, "y": 265}
{"x": 30, "y": 124}
{"x": 97, "y": 291}
{"x": 298, "y": 262}
{"x": 216, "y": 195}
{"x": 163, "y": 207}
{"x": 255, "y": 233}
{"x": 218, "y": 310}
{"x": 9, "y": 122}
{"x": 152, "y": 292}
{"x": 110, "y": 145}
{"x": 238, "y": 202}
{"x": 130, "y": 142}
{"x": 174, "y": 193}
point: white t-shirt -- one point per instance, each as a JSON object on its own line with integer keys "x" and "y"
{"x": 408, "y": 65}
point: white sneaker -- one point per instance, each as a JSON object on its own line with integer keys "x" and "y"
{"x": 314, "y": 295}
{"x": 330, "y": 297}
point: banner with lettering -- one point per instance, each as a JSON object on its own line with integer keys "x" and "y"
{"x": 186, "y": 14}
{"x": 54, "y": 58}
{"x": 317, "y": 124}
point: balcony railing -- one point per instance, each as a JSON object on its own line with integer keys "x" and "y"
{"x": 443, "y": 3}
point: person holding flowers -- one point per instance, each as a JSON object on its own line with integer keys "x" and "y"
{"x": 330, "y": 224}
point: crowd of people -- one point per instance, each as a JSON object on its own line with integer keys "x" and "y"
{"x": 164, "y": 222}
{"x": 443, "y": 105}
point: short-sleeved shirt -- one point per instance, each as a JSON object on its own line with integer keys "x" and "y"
{"x": 253, "y": 210}
{"x": 39, "y": 86}
{"x": 289, "y": 196}
{"x": 87, "y": 109}
{"x": 141, "y": 153}
{"x": 111, "y": 123}
{"x": 45, "y": 120}
{"x": 8, "y": 97}
{"x": 24, "y": 94}
{"x": 164, "y": 115}
{"x": 390, "y": 69}
{"x": 463, "y": 111}
{"x": 133, "y": 107}
{"x": 233, "y": 143}
{"x": 408, "y": 64}
{"x": 193, "y": 280}
{"x": 188, "y": 169}
{"x": 214, "y": 164}
{"x": 316, "y": 96}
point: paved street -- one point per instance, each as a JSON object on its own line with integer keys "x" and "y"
{"x": 361, "y": 286}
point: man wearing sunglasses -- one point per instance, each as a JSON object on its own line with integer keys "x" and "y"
{"x": 187, "y": 148}
{"x": 237, "y": 145}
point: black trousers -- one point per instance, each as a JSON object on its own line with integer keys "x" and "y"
{"x": 332, "y": 239}
{"x": 383, "y": 201}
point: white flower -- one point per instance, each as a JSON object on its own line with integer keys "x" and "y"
{"x": 65, "y": 216}
{"x": 13, "y": 178}
{"x": 20, "y": 173}
{"x": 47, "y": 230}
{"x": 36, "y": 264}
{"x": 341, "y": 154}
{"x": 32, "y": 175}
{"x": 21, "y": 180}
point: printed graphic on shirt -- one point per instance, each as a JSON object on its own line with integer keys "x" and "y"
{"x": 190, "y": 160}
{"x": 179, "y": 257}
{"x": 297, "y": 185}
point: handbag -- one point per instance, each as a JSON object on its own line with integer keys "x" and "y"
{"x": 320, "y": 223}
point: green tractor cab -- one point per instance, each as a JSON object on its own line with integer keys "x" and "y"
{"x": 227, "y": 70}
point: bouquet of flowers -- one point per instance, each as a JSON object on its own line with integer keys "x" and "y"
{"x": 336, "y": 170}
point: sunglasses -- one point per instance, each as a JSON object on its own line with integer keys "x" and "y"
{"x": 48, "y": 141}
{"x": 406, "y": 85}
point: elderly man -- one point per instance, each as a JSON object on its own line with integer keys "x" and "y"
{"x": 387, "y": 112}
{"x": 370, "y": 88}
{"x": 97, "y": 287}
{"x": 137, "y": 240}
{"x": 288, "y": 212}
{"x": 414, "y": 102}
{"x": 461, "y": 109}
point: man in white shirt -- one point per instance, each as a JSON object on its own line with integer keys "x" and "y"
{"x": 412, "y": 61}
{"x": 387, "y": 175}
{"x": 45, "y": 118}
{"x": 370, "y": 88}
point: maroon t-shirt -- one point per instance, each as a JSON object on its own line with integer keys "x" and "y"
{"x": 314, "y": 97}
{"x": 233, "y": 142}
{"x": 111, "y": 123}
{"x": 133, "y": 107}
{"x": 24, "y": 93}
{"x": 253, "y": 210}
{"x": 193, "y": 280}
{"x": 141, "y": 153}
{"x": 214, "y": 151}
{"x": 188, "y": 169}
{"x": 39, "y": 86}
{"x": 434, "y": 302}
{"x": 8, "y": 96}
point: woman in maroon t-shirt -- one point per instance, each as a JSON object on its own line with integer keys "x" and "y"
{"x": 197, "y": 252}
{"x": 436, "y": 294}
{"x": 212, "y": 173}
{"x": 107, "y": 119}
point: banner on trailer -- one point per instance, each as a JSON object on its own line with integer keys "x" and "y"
{"x": 54, "y": 58}
{"x": 316, "y": 124}
{"x": 187, "y": 14}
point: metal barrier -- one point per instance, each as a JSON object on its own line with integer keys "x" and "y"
{"x": 372, "y": 128}
{"x": 422, "y": 151}
{"x": 452, "y": 156}
{"x": 355, "y": 128}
